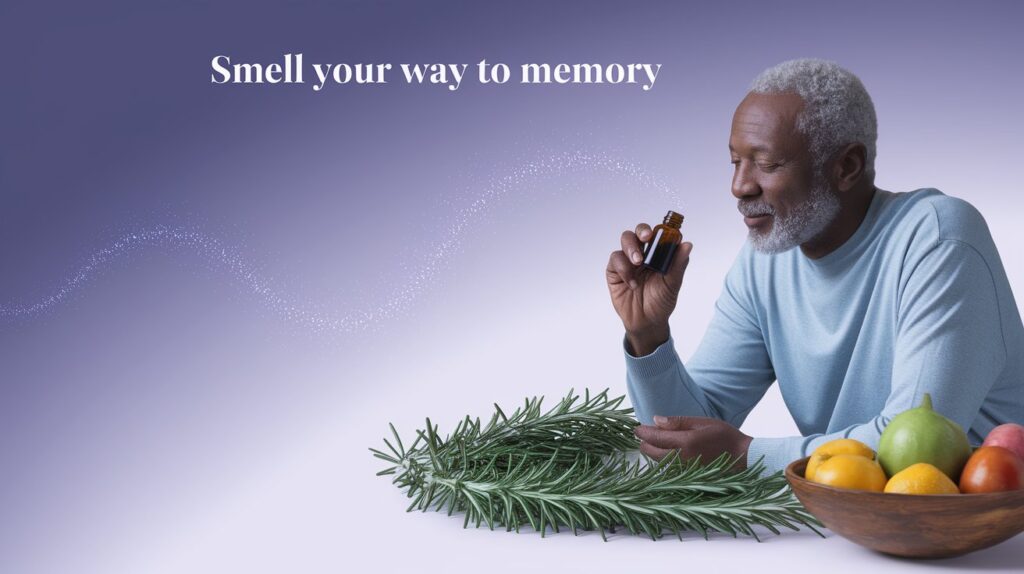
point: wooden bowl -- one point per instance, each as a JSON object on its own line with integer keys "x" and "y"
{"x": 914, "y": 526}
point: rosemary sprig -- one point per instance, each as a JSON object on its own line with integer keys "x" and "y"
{"x": 568, "y": 467}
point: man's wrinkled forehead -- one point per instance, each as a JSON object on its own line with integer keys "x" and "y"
{"x": 767, "y": 122}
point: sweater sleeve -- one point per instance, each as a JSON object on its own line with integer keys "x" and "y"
{"x": 725, "y": 377}
{"x": 948, "y": 342}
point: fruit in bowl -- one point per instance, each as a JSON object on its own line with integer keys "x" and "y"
{"x": 992, "y": 469}
{"x": 836, "y": 447}
{"x": 913, "y": 526}
{"x": 905, "y": 499}
{"x": 922, "y": 452}
{"x": 1009, "y": 436}
{"x": 923, "y": 435}
{"x": 851, "y": 471}
{"x": 921, "y": 478}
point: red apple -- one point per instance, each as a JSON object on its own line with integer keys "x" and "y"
{"x": 1009, "y": 436}
{"x": 992, "y": 469}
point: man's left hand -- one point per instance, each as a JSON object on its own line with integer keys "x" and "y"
{"x": 693, "y": 436}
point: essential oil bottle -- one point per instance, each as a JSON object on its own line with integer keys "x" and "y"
{"x": 659, "y": 250}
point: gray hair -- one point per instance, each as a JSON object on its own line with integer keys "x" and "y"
{"x": 837, "y": 109}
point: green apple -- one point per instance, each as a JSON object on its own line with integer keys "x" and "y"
{"x": 923, "y": 435}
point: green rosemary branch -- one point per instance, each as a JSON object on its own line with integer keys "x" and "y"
{"x": 568, "y": 467}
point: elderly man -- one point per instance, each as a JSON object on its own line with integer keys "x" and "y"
{"x": 889, "y": 295}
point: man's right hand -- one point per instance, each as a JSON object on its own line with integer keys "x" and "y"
{"x": 642, "y": 297}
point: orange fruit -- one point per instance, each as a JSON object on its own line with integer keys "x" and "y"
{"x": 832, "y": 448}
{"x": 851, "y": 471}
{"x": 921, "y": 478}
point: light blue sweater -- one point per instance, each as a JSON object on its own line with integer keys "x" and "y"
{"x": 915, "y": 302}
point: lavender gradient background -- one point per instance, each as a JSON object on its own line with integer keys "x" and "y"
{"x": 163, "y": 417}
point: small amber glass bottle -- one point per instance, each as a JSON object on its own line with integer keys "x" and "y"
{"x": 666, "y": 237}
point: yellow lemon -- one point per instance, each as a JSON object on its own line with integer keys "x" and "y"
{"x": 921, "y": 478}
{"x": 834, "y": 447}
{"x": 851, "y": 471}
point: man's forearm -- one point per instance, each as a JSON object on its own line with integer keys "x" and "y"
{"x": 778, "y": 452}
{"x": 658, "y": 384}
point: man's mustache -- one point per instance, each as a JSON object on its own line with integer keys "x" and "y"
{"x": 754, "y": 208}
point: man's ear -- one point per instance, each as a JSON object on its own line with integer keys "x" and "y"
{"x": 849, "y": 166}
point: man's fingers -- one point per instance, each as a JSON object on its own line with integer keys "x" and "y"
{"x": 663, "y": 438}
{"x": 674, "y": 432}
{"x": 653, "y": 451}
{"x": 632, "y": 247}
{"x": 643, "y": 232}
{"x": 677, "y": 268}
{"x": 682, "y": 423}
{"x": 620, "y": 270}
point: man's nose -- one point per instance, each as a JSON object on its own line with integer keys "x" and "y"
{"x": 743, "y": 185}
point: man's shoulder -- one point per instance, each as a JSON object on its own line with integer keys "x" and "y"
{"x": 941, "y": 216}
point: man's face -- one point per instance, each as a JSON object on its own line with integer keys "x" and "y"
{"x": 785, "y": 202}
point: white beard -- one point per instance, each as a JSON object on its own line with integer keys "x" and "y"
{"x": 801, "y": 225}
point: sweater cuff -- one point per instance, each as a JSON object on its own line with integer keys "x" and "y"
{"x": 776, "y": 452}
{"x": 657, "y": 362}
